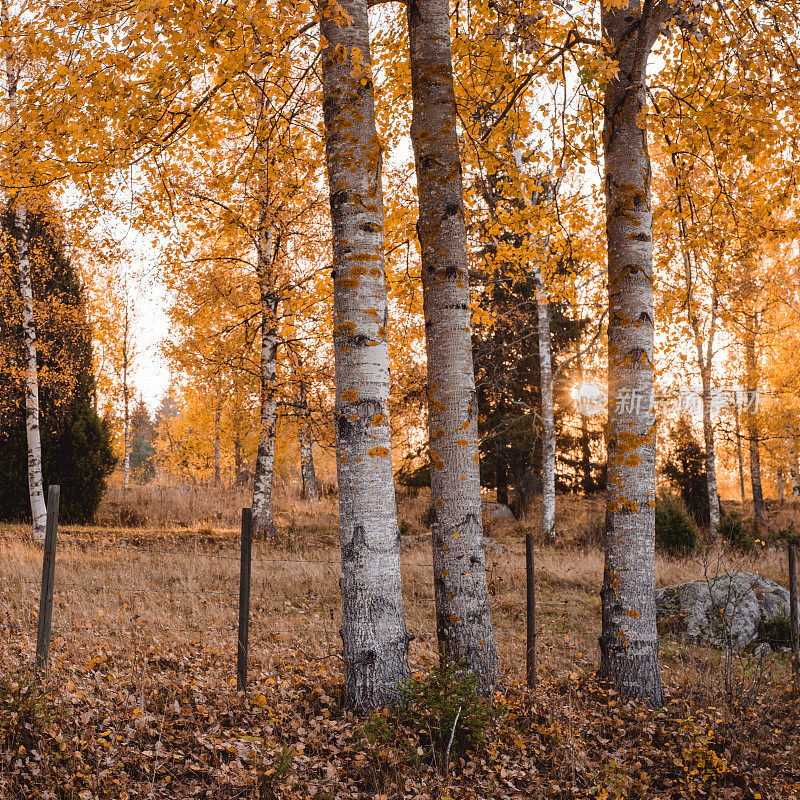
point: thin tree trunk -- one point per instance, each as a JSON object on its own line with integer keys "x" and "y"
{"x": 629, "y": 640}
{"x": 739, "y": 456}
{"x": 779, "y": 480}
{"x": 306, "y": 437}
{"x": 751, "y": 368}
{"x": 587, "y": 482}
{"x": 126, "y": 401}
{"x": 548, "y": 425}
{"x": 263, "y": 524}
{"x": 35, "y": 480}
{"x": 217, "y": 444}
{"x": 21, "y": 236}
{"x": 710, "y": 458}
{"x": 374, "y": 636}
{"x": 794, "y": 472}
{"x": 501, "y": 470}
{"x": 704, "y": 363}
{"x": 463, "y": 615}
{"x": 237, "y": 460}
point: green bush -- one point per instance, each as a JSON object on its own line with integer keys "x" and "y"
{"x": 676, "y": 533}
{"x": 25, "y": 711}
{"x": 739, "y": 532}
{"x": 776, "y": 631}
{"x": 444, "y": 702}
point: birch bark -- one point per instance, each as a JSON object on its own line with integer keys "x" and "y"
{"x": 739, "y": 456}
{"x": 374, "y": 636}
{"x": 126, "y": 399}
{"x": 463, "y": 615}
{"x": 217, "y": 444}
{"x": 263, "y": 524}
{"x": 629, "y": 640}
{"x": 306, "y": 437}
{"x": 35, "y": 480}
{"x": 548, "y": 424}
{"x": 751, "y": 370}
{"x": 794, "y": 472}
{"x": 587, "y": 481}
{"x": 21, "y": 236}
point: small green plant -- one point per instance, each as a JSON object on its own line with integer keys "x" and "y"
{"x": 739, "y": 532}
{"x": 405, "y": 527}
{"x": 676, "y": 533}
{"x": 276, "y": 768}
{"x": 446, "y": 710}
{"x": 775, "y": 631}
{"x": 25, "y": 711}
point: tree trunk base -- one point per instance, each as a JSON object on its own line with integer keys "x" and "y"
{"x": 631, "y": 669}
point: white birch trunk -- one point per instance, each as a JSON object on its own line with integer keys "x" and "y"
{"x": 32, "y": 431}
{"x": 705, "y": 364}
{"x": 35, "y": 480}
{"x": 126, "y": 415}
{"x": 463, "y": 614}
{"x": 794, "y": 472}
{"x": 306, "y": 438}
{"x": 263, "y": 524}
{"x": 374, "y": 636}
{"x": 548, "y": 424}
{"x": 751, "y": 368}
{"x": 629, "y": 641}
{"x": 739, "y": 457}
{"x": 217, "y": 444}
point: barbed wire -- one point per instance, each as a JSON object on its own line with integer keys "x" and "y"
{"x": 199, "y": 554}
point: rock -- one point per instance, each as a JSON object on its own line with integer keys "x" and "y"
{"x": 493, "y": 511}
{"x": 763, "y": 650}
{"x": 719, "y": 610}
{"x": 491, "y": 544}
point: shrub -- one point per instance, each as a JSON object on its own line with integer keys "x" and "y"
{"x": 25, "y": 711}
{"x": 776, "y": 631}
{"x": 428, "y": 517}
{"x": 676, "y": 533}
{"x": 741, "y": 533}
{"x": 444, "y": 702}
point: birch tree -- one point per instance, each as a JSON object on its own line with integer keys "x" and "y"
{"x": 373, "y": 627}
{"x": 305, "y": 435}
{"x": 463, "y": 615}
{"x": 266, "y": 252}
{"x": 629, "y": 640}
{"x": 35, "y": 480}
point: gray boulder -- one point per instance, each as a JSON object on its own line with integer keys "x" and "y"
{"x": 724, "y": 611}
{"x": 494, "y": 511}
{"x": 492, "y": 545}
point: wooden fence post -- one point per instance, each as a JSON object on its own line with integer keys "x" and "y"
{"x": 793, "y": 617}
{"x": 48, "y": 579}
{"x": 244, "y": 598}
{"x": 530, "y": 586}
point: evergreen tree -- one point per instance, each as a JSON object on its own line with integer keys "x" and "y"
{"x": 686, "y": 470}
{"x": 76, "y": 443}
{"x": 143, "y": 435}
{"x": 507, "y": 382}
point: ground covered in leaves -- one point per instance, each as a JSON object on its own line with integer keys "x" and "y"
{"x": 140, "y": 700}
{"x": 173, "y": 727}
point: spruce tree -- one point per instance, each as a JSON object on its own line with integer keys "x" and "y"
{"x": 76, "y": 443}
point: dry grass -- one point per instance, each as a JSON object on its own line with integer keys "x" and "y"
{"x": 184, "y": 590}
{"x": 150, "y": 667}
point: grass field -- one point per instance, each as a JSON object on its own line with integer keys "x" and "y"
{"x": 140, "y": 699}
